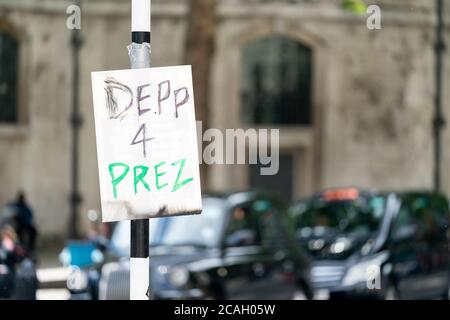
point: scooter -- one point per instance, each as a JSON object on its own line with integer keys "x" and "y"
{"x": 84, "y": 258}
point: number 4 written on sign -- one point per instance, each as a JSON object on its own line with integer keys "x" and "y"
{"x": 143, "y": 129}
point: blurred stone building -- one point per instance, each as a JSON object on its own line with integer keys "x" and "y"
{"x": 355, "y": 106}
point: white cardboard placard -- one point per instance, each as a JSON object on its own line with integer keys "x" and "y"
{"x": 146, "y": 143}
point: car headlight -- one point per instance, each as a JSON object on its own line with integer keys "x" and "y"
{"x": 365, "y": 270}
{"x": 97, "y": 256}
{"x": 77, "y": 280}
{"x": 341, "y": 245}
{"x": 3, "y": 269}
{"x": 178, "y": 276}
{"x": 64, "y": 257}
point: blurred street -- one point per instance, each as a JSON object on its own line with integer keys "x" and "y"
{"x": 314, "y": 162}
{"x": 52, "y": 294}
{"x": 52, "y": 277}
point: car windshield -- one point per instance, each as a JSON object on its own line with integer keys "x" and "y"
{"x": 201, "y": 230}
{"x": 361, "y": 216}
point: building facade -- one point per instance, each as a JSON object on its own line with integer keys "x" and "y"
{"x": 354, "y": 106}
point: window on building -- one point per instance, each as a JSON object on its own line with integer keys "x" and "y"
{"x": 282, "y": 183}
{"x": 9, "y": 54}
{"x": 276, "y": 82}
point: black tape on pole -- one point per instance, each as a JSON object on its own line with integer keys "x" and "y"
{"x": 139, "y": 238}
{"x": 140, "y": 37}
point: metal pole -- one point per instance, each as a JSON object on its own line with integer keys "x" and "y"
{"x": 439, "y": 120}
{"x": 75, "y": 122}
{"x": 139, "y": 52}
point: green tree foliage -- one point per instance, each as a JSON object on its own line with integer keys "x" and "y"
{"x": 356, "y": 6}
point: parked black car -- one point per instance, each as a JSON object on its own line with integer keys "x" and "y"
{"x": 367, "y": 244}
{"x": 242, "y": 246}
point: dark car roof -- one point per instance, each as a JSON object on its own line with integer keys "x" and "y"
{"x": 418, "y": 193}
{"x": 361, "y": 191}
{"x": 372, "y": 192}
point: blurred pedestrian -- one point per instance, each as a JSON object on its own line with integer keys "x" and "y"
{"x": 9, "y": 244}
{"x": 24, "y": 222}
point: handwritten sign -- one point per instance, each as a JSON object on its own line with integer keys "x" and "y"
{"x": 146, "y": 143}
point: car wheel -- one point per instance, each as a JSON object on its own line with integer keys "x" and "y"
{"x": 216, "y": 292}
{"x": 303, "y": 292}
{"x": 446, "y": 294}
{"x": 391, "y": 292}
